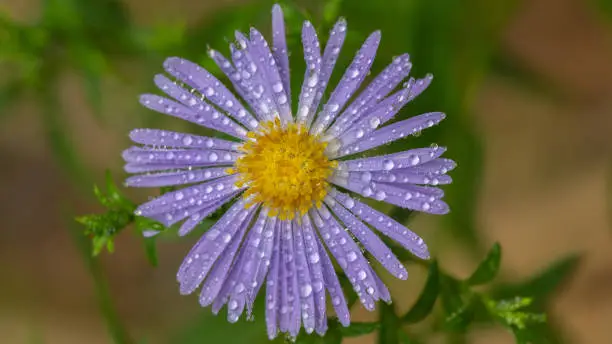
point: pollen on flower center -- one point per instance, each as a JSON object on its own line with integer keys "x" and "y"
{"x": 285, "y": 168}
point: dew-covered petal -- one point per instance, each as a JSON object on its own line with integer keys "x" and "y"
{"x": 181, "y": 158}
{"x": 292, "y": 316}
{"x": 348, "y": 255}
{"x": 273, "y": 287}
{"x": 216, "y": 278}
{"x": 405, "y": 175}
{"x": 235, "y": 77}
{"x": 175, "y": 177}
{"x": 383, "y": 111}
{"x": 252, "y": 79}
{"x": 348, "y": 84}
{"x": 312, "y": 58}
{"x": 203, "y": 255}
{"x": 409, "y": 158}
{"x": 383, "y": 291}
{"x": 207, "y": 193}
{"x": 369, "y": 240}
{"x": 418, "y": 86}
{"x": 197, "y": 217}
{"x": 205, "y": 116}
{"x": 384, "y": 224}
{"x": 263, "y": 263}
{"x": 332, "y": 284}
{"x": 194, "y": 211}
{"x": 320, "y": 81}
{"x": 392, "y": 132}
{"x": 403, "y": 196}
{"x": 210, "y": 87}
{"x": 316, "y": 274}
{"x": 438, "y": 166}
{"x": 279, "y": 49}
{"x": 380, "y": 87}
{"x": 173, "y": 139}
{"x": 267, "y": 63}
{"x": 244, "y": 270}
{"x": 303, "y": 277}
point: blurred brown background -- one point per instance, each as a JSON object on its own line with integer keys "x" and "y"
{"x": 545, "y": 193}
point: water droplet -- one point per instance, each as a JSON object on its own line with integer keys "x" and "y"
{"x": 351, "y": 256}
{"x": 314, "y": 258}
{"x": 213, "y": 157}
{"x": 414, "y": 160}
{"x": 366, "y": 177}
{"x": 359, "y": 134}
{"x": 367, "y": 191}
{"x": 187, "y": 140}
{"x": 306, "y": 290}
{"x": 374, "y": 122}
{"x": 388, "y": 164}
{"x": 354, "y": 73}
{"x": 233, "y": 305}
{"x": 226, "y": 238}
{"x": 277, "y": 87}
{"x": 426, "y": 206}
{"x": 381, "y": 195}
{"x": 350, "y": 203}
{"x": 362, "y": 275}
{"x": 333, "y": 107}
{"x": 179, "y": 196}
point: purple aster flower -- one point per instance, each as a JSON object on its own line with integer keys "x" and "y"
{"x": 294, "y": 188}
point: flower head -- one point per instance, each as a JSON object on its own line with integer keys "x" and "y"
{"x": 294, "y": 188}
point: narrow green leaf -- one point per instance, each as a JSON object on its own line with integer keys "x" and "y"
{"x": 543, "y": 284}
{"x": 357, "y": 329}
{"x": 389, "y": 325}
{"x": 488, "y": 268}
{"x": 456, "y": 301}
{"x": 151, "y": 250}
{"x": 426, "y": 301}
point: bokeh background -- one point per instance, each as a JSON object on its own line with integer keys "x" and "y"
{"x": 527, "y": 86}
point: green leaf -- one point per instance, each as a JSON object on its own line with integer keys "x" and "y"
{"x": 357, "y": 329}
{"x": 488, "y": 268}
{"x": 426, "y": 301}
{"x": 457, "y": 304}
{"x": 543, "y": 284}
{"x": 389, "y": 325}
{"x": 151, "y": 250}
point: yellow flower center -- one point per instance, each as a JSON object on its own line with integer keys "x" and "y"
{"x": 285, "y": 168}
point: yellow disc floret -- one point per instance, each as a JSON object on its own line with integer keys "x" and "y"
{"x": 284, "y": 168}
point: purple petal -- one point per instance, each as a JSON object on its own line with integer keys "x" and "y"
{"x": 406, "y": 175}
{"x": 316, "y": 274}
{"x": 304, "y": 279}
{"x": 218, "y": 274}
{"x": 348, "y": 255}
{"x": 417, "y": 87}
{"x": 201, "y": 194}
{"x": 409, "y": 158}
{"x": 388, "y": 134}
{"x": 379, "y": 88}
{"x": 251, "y": 78}
{"x": 405, "y": 196}
{"x": 332, "y": 284}
{"x": 349, "y": 83}
{"x": 202, "y": 256}
{"x": 319, "y": 82}
{"x": 383, "y": 111}
{"x": 434, "y": 167}
{"x": 175, "y": 178}
{"x": 196, "y": 218}
{"x": 280, "y": 46}
{"x": 266, "y": 62}
{"x": 263, "y": 263}
{"x": 273, "y": 287}
{"x": 291, "y": 318}
{"x": 181, "y": 158}
{"x": 369, "y": 240}
{"x": 312, "y": 58}
{"x": 195, "y": 211}
{"x": 166, "y": 138}
{"x": 384, "y": 224}
{"x": 205, "y": 116}
{"x": 382, "y": 288}
{"x": 243, "y": 272}
{"x": 236, "y": 79}
{"x": 210, "y": 87}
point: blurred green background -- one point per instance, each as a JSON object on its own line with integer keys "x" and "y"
{"x": 527, "y": 86}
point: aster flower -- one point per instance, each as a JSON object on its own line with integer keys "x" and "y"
{"x": 294, "y": 187}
